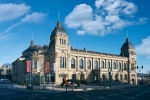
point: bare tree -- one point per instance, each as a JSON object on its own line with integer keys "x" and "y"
{"x": 7, "y": 64}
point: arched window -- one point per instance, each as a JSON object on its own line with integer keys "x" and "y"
{"x": 73, "y": 63}
{"x": 119, "y": 66}
{"x": 102, "y": 65}
{"x": 108, "y": 65}
{"x": 125, "y": 68}
{"x": 88, "y": 64}
{"x": 62, "y": 62}
{"x": 114, "y": 65}
{"x": 81, "y": 64}
{"x": 95, "y": 64}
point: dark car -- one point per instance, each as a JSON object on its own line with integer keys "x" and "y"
{"x": 5, "y": 81}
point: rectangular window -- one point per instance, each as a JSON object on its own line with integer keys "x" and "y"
{"x": 60, "y": 41}
{"x": 73, "y": 63}
{"x": 35, "y": 64}
{"x": 62, "y": 62}
{"x": 64, "y": 42}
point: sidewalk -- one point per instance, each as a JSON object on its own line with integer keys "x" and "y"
{"x": 56, "y": 88}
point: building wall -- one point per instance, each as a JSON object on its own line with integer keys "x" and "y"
{"x": 60, "y": 53}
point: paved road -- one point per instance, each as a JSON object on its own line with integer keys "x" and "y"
{"x": 132, "y": 93}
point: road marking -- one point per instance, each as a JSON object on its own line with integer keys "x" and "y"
{"x": 83, "y": 97}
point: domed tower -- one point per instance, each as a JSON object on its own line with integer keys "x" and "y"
{"x": 128, "y": 50}
{"x": 59, "y": 50}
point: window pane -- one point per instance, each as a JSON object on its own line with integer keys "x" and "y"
{"x": 96, "y": 64}
{"x": 35, "y": 64}
{"x": 108, "y": 64}
{"x": 89, "y": 64}
{"x": 62, "y": 62}
{"x": 81, "y": 64}
{"x": 119, "y": 66}
{"x": 114, "y": 65}
{"x": 102, "y": 64}
{"x": 64, "y": 42}
{"x": 73, "y": 63}
{"x": 125, "y": 68}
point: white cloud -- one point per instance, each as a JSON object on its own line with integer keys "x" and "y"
{"x": 144, "y": 48}
{"x": 33, "y": 18}
{"x": 21, "y": 11}
{"x": 80, "y": 15}
{"x": 142, "y": 20}
{"x": 12, "y": 11}
{"x": 108, "y": 17}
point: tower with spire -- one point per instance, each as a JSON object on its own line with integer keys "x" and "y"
{"x": 59, "y": 48}
{"x": 128, "y": 50}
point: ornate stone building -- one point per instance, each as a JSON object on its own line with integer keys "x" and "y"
{"x": 82, "y": 64}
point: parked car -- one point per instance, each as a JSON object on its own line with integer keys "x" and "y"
{"x": 5, "y": 81}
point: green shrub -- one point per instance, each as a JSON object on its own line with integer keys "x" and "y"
{"x": 82, "y": 81}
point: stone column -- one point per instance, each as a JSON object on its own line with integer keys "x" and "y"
{"x": 85, "y": 64}
{"x": 77, "y": 63}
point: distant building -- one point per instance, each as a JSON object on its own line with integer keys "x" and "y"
{"x": 51, "y": 62}
{"x": 143, "y": 78}
{"x": 5, "y": 72}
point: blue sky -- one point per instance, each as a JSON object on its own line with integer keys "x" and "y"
{"x": 98, "y": 25}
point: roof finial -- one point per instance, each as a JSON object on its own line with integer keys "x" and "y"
{"x": 127, "y": 34}
{"x": 32, "y": 36}
{"x": 32, "y": 42}
{"x": 58, "y": 15}
{"x": 58, "y": 23}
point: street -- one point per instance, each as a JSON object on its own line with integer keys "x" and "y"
{"x": 130, "y": 93}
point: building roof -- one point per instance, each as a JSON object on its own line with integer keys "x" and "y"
{"x": 59, "y": 30}
{"x": 94, "y": 52}
{"x": 33, "y": 47}
{"x": 127, "y": 44}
